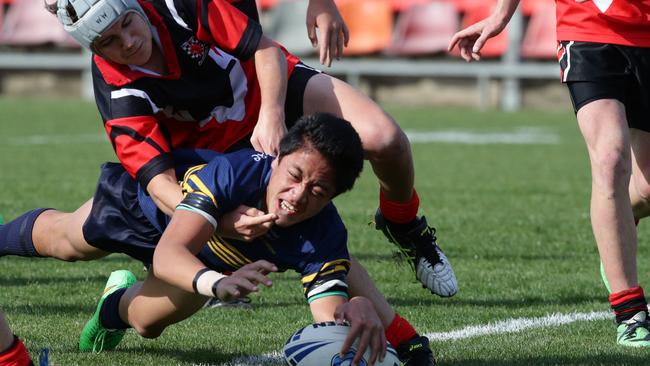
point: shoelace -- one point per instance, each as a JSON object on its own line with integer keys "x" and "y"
{"x": 428, "y": 249}
{"x": 101, "y": 337}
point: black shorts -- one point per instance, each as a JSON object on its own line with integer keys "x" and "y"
{"x": 293, "y": 105}
{"x": 116, "y": 223}
{"x": 594, "y": 71}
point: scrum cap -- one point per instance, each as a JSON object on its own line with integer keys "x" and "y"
{"x": 93, "y": 17}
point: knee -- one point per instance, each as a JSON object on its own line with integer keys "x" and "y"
{"x": 385, "y": 139}
{"x": 611, "y": 169}
{"x": 145, "y": 330}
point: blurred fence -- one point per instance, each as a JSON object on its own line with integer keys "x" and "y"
{"x": 392, "y": 38}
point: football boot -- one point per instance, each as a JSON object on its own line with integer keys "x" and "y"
{"x": 634, "y": 332}
{"x": 431, "y": 266}
{"x": 94, "y": 337}
{"x": 416, "y": 352}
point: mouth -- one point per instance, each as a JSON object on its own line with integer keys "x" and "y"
{"x": 289, "y": 208}
{"x": 135, "y": 51}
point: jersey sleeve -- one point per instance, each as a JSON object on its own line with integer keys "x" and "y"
{"x": 220, "y": 23}
{"x": 227, "y": 181}
{"x": 137, "y": 138}
{"x": 325, "y": 271}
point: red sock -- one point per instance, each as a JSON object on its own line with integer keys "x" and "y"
{"x": 627, "y": 303}
{"x": 16, "y": 355}
{"x": 399, "y": 212}
{"x": 399, "y": 331}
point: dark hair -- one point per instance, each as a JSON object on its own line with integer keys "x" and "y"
{"x": 332, "y": 137}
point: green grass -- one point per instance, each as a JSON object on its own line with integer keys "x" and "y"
{"x": 513, "y": 220}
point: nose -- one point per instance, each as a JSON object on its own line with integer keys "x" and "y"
{"x": 128, "y": 41}
{"x": 300, "y": 194}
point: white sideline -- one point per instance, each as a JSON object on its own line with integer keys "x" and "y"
{"x": 518, "y": 325}
{"x": 501, "y": 327}
{"x": 517, "y": 137}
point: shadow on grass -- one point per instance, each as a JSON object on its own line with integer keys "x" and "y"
{"x": 610, "y": 360}
{"x": 522, "y": 302}
{"x": 50, "y": 280}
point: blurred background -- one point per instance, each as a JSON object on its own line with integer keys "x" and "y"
{"x": 397, "y": 52}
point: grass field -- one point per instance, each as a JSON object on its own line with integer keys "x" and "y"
{"x": 512, "y": 218}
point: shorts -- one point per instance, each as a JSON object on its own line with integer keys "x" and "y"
{"x": 594, "y": 71}
{"x": 293, "y": 105}
{"x": 116, "y": 223}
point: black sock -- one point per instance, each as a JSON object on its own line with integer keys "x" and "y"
{"x": 16, "y": 236}
{"x": 109, "y": 315}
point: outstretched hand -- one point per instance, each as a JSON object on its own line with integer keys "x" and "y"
{"x": 324, "y": 15}
{"x": 245, "y": 280}
{"x": 365, "y": 325}
{"x": 245, "y": 223}
{"x": 471, "y": 40}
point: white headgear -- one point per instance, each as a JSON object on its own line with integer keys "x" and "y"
{"x": 94, "y": 17}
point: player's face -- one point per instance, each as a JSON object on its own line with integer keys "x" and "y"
{"x": 301, "y": 184}
{"x": 128, "y": 41}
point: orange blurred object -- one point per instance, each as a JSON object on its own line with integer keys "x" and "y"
{"x": 495, "y": 46}
{"x": 370, "y": 23}
{"x": 540, "y": 40}
{"x": 27, "y": 23}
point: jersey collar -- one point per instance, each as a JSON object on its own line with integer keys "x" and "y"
{"x": 119, "y": 75}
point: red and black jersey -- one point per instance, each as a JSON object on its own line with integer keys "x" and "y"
{"x": 622, "y": 22}
{"x": 209, "y": 99}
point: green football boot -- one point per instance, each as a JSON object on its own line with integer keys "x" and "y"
{"x": 634, "y": 332}
{"x": 94, "y": 337}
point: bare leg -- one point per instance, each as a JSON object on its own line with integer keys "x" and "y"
{"x": 59, "y": 235}
{"x": 6, "y": 336}
{"x": 385, "y": 144}
{"x": 640, "y": 182}
{"x": 150, "y": 306}
{"x": 604, "y": 127}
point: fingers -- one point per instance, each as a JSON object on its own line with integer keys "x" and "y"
{"x": 333, "y": 47}
{"x": 324, "y": 46}
{"x": 364, "y": 341}
{"x": 311, "y": 32}
{"x": 346, "y": 35}
{"x": 262, "y": 266}
{"x": 256, "y": 144}
{"x": 349, "y": 340}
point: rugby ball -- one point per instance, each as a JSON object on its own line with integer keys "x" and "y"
{"x": 319, "y": 344}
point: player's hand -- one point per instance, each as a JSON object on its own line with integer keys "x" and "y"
{"x": 471, "y": 40}
{"x": 324, "y": 15}
{"x": 245, "y": 280}
{"x": 269, "y": 130}
{"x": 245, "y": 223}
{"x": 365, "y": 325}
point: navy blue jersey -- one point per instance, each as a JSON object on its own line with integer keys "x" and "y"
{"x": 210, "y": 97}
{"x": 316, "y": 248}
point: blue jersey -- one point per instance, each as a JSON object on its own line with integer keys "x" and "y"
{"x": 316, "y": 248}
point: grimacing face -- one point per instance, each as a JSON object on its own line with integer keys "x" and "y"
{"x": 301, "y": 184}
{"x": 128, "y": 41}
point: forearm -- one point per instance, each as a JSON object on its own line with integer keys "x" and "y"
{"x": 174, "y": 259}
{"x": 165, "y": 191}
{"x": 504, "y": 10}
{"x": 271, "y": 69}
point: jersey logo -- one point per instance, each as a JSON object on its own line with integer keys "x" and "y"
{"x": 196, "y": 49}
{"x": 603, "y": 5}
{"x": 259, "y": 156}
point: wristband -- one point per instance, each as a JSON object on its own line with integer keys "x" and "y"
{"x": 205, "y": 282}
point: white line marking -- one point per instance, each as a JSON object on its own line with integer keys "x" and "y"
{"x": 518, "y": 325}
{"x": 501, "y": 327}
{"x": 55, "y": 139}
{"x": 518, "y": 136}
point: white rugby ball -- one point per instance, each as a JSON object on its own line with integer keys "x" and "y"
{"x": 319, "y": 345}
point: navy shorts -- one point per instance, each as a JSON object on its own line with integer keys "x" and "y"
{"x": 594, "y": 71}
{"x": 116, "y": 223}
